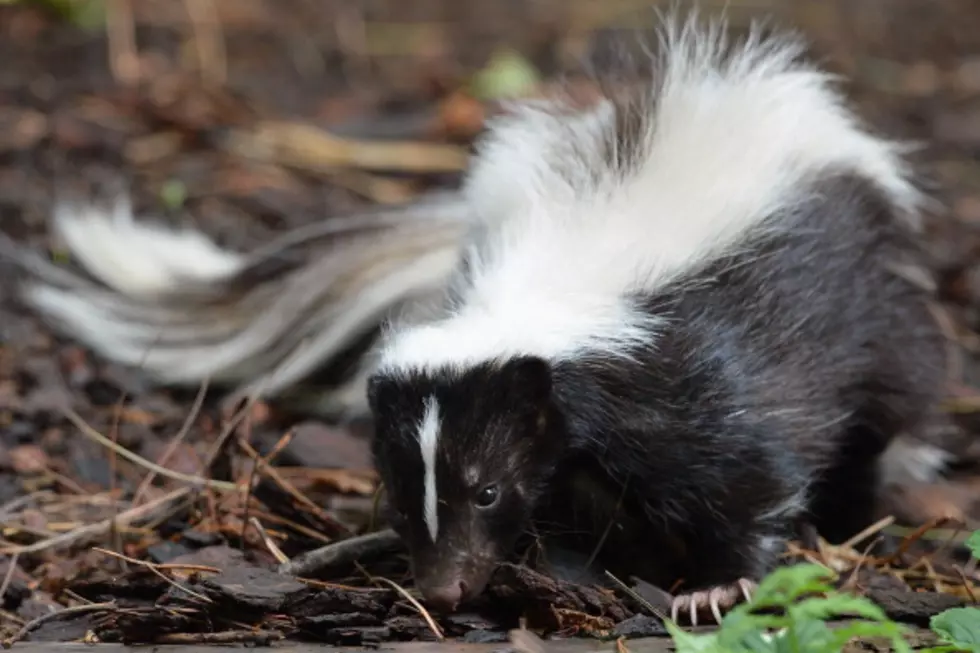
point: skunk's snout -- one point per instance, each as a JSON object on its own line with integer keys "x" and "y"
{"x": 446, "y": 597}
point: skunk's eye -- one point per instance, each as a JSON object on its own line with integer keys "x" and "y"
{"x": 487, "y": 496}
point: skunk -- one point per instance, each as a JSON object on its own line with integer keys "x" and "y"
{"x": 693, "y": 288}
{"x": 687, "y": 289}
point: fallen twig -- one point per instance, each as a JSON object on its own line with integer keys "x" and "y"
{"x": 271, "y": 472}
{"x": 342, "y": 552}
{"x": 156, "y": 570}
{"x": 36, "y": 623}
{"x": 175, "y": 441}
{"x": 146, "y": 512}
{"x": 877, "y": 527}
{"x": 269, "y": 544}
{"x": 90, "y": 432}
{"x": 636, "y": 597}
{"x": 418, "y": 606}
{"x": 915, "y": 536}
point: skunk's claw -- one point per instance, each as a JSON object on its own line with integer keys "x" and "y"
{"x": 717, "y": 600}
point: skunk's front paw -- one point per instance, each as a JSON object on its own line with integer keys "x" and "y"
{"x": 714, "y": 600}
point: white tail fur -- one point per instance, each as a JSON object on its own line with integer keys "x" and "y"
{"x": 174, "y": 304}
{"x": 140, "y": 258}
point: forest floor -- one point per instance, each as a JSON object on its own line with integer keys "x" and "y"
{"x": 121, "y": 506}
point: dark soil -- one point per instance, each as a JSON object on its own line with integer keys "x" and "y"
{"x": 137, "y": 560}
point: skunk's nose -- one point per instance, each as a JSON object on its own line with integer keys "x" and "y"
{"x": 446, "y": 597}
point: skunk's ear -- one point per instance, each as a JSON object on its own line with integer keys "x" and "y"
{"x": 529, "y": 379}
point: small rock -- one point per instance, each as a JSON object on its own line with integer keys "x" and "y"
{"x": 640, "y": 625}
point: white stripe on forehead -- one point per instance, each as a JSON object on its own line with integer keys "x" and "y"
{"x": 428, "y": 437}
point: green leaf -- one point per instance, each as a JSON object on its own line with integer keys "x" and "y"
{"x": 754, "y": 642}
{"x": 786, "y": 584}
{"x": 737, "y": 625}
{"x": 973, "y": 543}
{"x": 959, "y": 626}
{"x": 838, "y": 605}
{"x": 808, "y": 635}
{"x": 864, "y": 629}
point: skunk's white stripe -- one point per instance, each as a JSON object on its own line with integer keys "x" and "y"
{"x": 729, "y": 139}
{"x": 428, "y": 439}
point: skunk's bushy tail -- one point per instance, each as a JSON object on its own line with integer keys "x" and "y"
{"x": 184, "y": 310}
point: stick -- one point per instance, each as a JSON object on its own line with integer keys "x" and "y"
{"x": 177, "y": 439}
{"x": 87, "y": 430}
{"x": 342, "y": 552}
{"x": 290, "y": 489}
{"x": 146, "y": 512}
{"x": 418, "y": 606}
{"x": 33, "y": 625}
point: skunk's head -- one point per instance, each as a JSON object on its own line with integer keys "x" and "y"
{"x": 464, "y": 456}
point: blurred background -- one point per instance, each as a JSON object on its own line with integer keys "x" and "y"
{"x": 248, "y": 117}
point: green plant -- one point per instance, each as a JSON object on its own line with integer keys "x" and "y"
{"x": 959, "y": 628}
{"x": 804, "y": 596}
{"x": 805, "y": 600}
